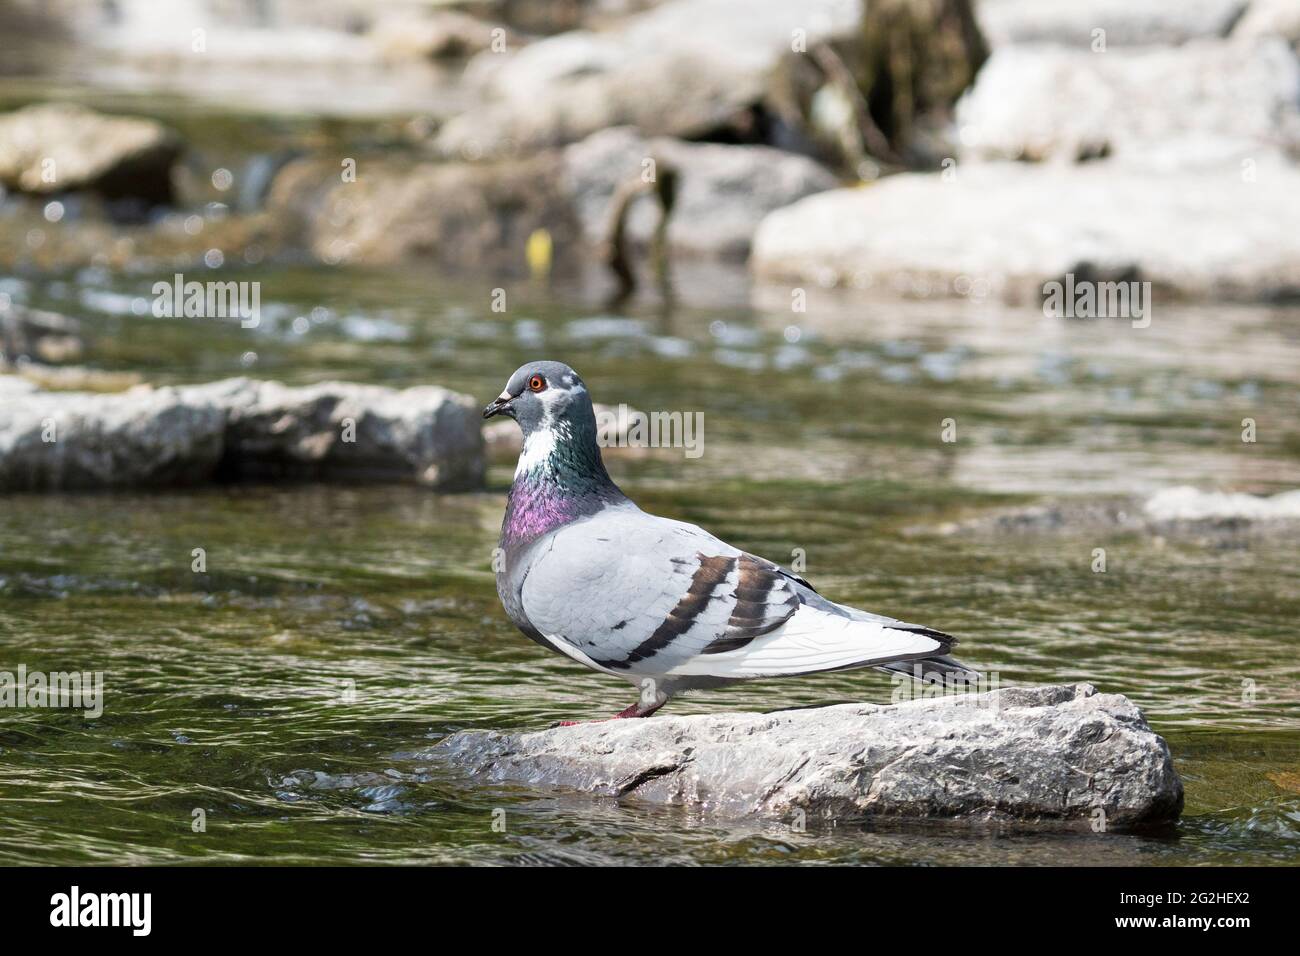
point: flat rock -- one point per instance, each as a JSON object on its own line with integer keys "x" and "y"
{"x": 1007, "y": 228}
{"x": 682, "y": 69}
{"x": 236, "y": 429}
{"x": 59, "y": 147}
{"x": 723, "y": 191}
{"x": 1071, "y": 23}
{"x": 1204, "y": 103}
{"x": 1057, "y": 753}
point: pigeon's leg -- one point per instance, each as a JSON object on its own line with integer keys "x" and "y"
{"x": 639, "y": 709}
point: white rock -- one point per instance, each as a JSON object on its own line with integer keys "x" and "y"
{"x": 1205, "y": 103}
{"x": 1009, "y": 228}
{"x": 1072, "y": 22}
{"x": 1267, "y": 18}
{"x": 1186, "y": 503}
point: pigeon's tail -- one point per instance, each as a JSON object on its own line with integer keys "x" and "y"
{"x": 940, "y": 669}
{"x": 813, "y": 640}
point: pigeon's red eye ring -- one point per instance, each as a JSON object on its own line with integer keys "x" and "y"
{"x": 536, "y": 383}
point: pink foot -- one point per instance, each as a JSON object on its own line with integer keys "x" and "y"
{"x": 636, "y": 710}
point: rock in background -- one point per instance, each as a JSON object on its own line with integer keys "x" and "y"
{"x": 1205, "y": 103}
{"x": 1071, "y": 23}
{"x": 237, "y": 429}
{"x": 1064, "y": 753}
{"x": 47, "y": 149}
{"x": 1004, "y": 229}
{"x": 1279, "y": 18}
{"x": 437, "y": 35}
{"x": 1085, "y": 149}
{"x": 722, "y": 193}
{"x": 481, "y": 215}
{"x": 459, "y": 215}
{"x": 691, "y": 69}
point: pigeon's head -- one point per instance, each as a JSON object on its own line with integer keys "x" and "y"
{"x": 540, "y": 395}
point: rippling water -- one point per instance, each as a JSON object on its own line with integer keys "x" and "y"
{"x": 338, "y": 627}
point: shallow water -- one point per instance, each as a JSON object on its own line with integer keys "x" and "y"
{"x": 338, "y": 627}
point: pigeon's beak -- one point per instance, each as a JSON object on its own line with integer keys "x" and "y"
{"x": 500, "y": 406}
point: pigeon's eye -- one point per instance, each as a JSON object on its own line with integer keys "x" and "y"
{"x": 536, "y": 383}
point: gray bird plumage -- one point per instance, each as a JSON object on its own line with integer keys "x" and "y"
{"x": 661, "y": 603}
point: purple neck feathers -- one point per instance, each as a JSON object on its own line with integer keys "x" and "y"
{"x": 564, "y": 481}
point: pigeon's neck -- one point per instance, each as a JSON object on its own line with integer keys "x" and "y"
{"x": 560, "y": 478}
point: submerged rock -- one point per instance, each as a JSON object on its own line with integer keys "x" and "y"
{"x": 59, "y": 147}
{"x": 1008, "y": 228}
{"x": 1060, "y": 753}
{"x": 236, "y": 429}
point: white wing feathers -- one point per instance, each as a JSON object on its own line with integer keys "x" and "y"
{"x": 812, "y": 640}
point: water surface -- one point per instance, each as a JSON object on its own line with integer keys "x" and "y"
{"x": 336, "y": 627}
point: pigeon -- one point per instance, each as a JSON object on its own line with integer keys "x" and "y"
{"x": 658, "y": 602}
